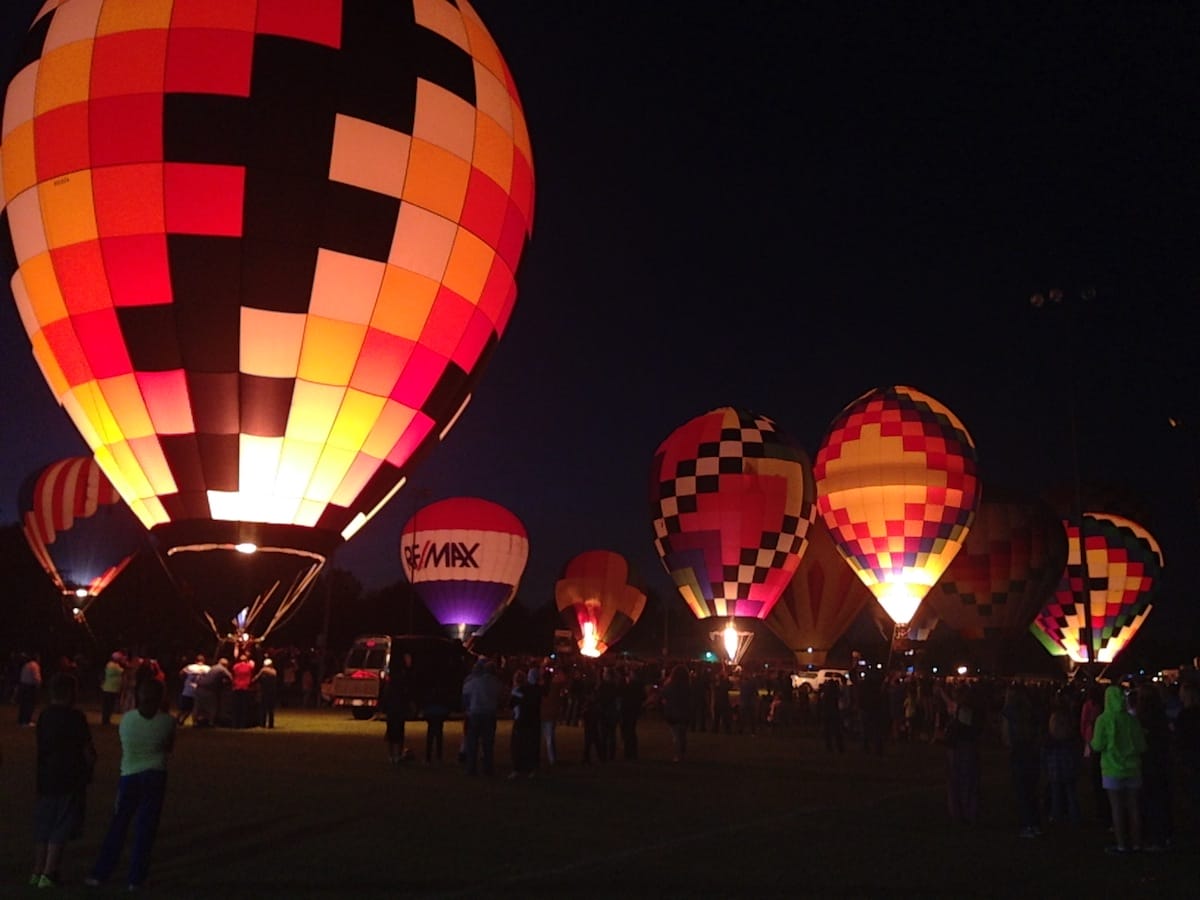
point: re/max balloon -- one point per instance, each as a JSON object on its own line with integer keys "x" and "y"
{"x": 731, "y": 500}
{"x": 596, "y": 598}
{"x": 897, "y": 487}
{"x": 263, "y": 250}
{"x": 79, "y": 529}
{"x": 1124, "y": 564}
{"x": 464, "y": 556}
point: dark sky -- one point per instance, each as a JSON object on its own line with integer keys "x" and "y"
{"x": 782, "y": 205}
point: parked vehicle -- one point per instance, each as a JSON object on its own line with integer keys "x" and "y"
{"x": 363, "y": 679}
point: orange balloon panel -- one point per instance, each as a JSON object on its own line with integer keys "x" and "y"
{"x": 897, "y": 487}
{"x": 264, "y": 247}
{"x": 600, "y": 603}
{"x": 1124, "y": 564}
{"x": 821, "y": 601}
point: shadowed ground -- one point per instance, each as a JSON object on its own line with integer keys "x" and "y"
{"x": 313, "y": 809}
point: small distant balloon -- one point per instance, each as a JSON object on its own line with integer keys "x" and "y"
{"x": 465, "y": 557}
{"x": 596, "y": 597}
{"x": 79, "y": 529}
{"x": 897, "y": 486}
{"x": 731, "y": 499}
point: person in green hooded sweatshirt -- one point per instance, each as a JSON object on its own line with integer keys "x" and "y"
{"x": 1120, "y": 741}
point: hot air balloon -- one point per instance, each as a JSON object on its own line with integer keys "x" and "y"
{"x": 1124, "y": 563}
{"x": 465, "y": 557}
{"x": 1009, "y": 564}
{"x": 79, "y": 529}
{"x": 731, "y": 499}
{"x": 820, "y": 603}
{"x": 897, "y": 488}
{"x": 263, "y": 250}
{"x": 595, "y": 596}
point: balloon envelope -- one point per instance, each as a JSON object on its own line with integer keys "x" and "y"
{"x": 464, "y": 556}
{"x": 78, "y": 527}
{"x": 263, "y": 249}
{"x": 1124, "y": 564}
{"x": 598, "y": 600}
{"x": 821, "y": 601}
{"x": 1009, "y": 564}
{"x": 897, "y": 487}
{"x": 731, "y": 500}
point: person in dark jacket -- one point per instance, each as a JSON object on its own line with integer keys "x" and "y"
{"x": 65, "y": 760}
{"x": 526, "y": 702}
{"x": 677, "y": 708}
{"x": 397, "y": 703}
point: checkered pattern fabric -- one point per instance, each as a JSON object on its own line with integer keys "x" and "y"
{"x": 897, "y": 486}
{"x": 731, "y": 501}
{"x": 1008, "y": 566}
{"x": 1124, "y": 564}
{"x": 263, "y": 248}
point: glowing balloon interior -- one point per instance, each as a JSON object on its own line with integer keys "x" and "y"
{"x": 731, "y": 500}
{"x": 465, "y": 557}
{"x": 1124, "y": 563}
{"x": 263, "y": 248}
{"x": 897, "y": 486}
{"x": 599, "y": 602}
{"x": 79, "y": 529}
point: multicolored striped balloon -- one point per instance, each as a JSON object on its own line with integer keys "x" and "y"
{"x": 897, "y": 486}
{"x": 596, "y": 598}
{"x": 79, "y": 529}
{"x": 465, "y": 557}
{"x": 1124, "y": 564}
{"x": 731, "y": 500}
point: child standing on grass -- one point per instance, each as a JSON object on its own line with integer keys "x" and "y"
{"x": 65, "y": 758}
{"x": 147, "y": 738}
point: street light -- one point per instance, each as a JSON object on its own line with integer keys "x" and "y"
{"x": 1058, "y": 297}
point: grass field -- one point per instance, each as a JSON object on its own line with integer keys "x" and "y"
{"x": 313, "y": 809}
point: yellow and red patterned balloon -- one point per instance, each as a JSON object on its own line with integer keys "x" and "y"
{"x": 263, "y": 248}
{"x": 1124, "y": 564}
{"x": 595, "y": 596}
{"x": 731, "y": 500}
{"x": 897, "y": 486}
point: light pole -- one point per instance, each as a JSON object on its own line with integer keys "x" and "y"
{"x": 1056, "y": 297}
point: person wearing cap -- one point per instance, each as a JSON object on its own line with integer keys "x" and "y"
{"x": 191, "y": 674}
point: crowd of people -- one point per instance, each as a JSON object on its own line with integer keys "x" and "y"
{"x": 1117, "y": 754}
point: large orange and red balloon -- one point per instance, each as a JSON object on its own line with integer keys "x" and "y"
{"x": 1124, "y": 564}
{"x": 731, "y": 500}
{"x": 897, "y": 486}
{"x": 79, "y": 529}
{"x": 465, "y": 557}
{"x": 821, "y": 601}
{"x": 1008, "y": 566}
{"x": 264, "y": 248}
{"x": 600, "y": 604}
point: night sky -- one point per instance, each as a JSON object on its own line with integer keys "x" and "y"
{"x": 780, "y": 206}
